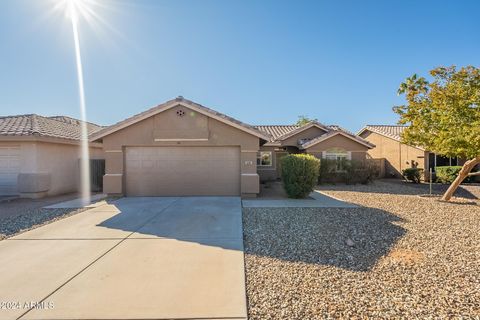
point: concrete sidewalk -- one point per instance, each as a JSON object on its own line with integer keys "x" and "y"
{"x": 135, "y": 258}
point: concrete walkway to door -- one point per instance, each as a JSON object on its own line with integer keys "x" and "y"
{"x": 134, "y": 258}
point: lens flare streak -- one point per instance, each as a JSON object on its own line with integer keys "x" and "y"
{"x": 85, "y": 154}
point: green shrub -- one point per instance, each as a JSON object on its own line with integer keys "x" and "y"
{"x": 447, "y": 174}
{"x": 299, "y": 174}
{"x": 328, "y": 172}
{"x": 360, "y": 172}
{"x": 413, "y": 174}
{"x": 353, "y": 172}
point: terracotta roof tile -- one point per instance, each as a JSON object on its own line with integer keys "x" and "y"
{"x": 338, "y": 128}
{"x": 392, "y": 131}
{"x": 279, "y": 130}
{"x": 34, "y": 125}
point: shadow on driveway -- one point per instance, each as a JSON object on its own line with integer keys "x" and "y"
{"x": 309, "y": 235}
{"x": 215, "y": 221}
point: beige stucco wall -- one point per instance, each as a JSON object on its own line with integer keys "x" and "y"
{"x": 168, "y": 129}
{"x": 50, "y": 168}
{"x": 398, "y": 156}
{"x": 358, "y": 151}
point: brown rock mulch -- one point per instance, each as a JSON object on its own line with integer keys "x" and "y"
{"x": 396, "y": 256}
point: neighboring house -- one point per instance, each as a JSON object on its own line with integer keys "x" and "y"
{"x": 399, "y": 156}
{"x": 330, "y": 142}
{"x": 183, "y": 148}
{"x": 40, "y": 155}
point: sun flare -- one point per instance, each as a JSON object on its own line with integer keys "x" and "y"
{"x": 76, "y": 9}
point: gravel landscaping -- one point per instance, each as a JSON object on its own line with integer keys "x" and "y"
{"x": 396, "y": 256}
{"x": 20, "y": 215}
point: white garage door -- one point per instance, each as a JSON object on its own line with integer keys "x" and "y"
{"x": 9, "y": 169}
{"x": 182, "y": 171}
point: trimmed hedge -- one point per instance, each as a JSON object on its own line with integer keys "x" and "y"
{"x": 413, "y": 174}
{"x": 299, "y": 174}
{"x": 447, "y": 174}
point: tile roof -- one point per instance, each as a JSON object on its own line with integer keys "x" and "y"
{"x": 169, "y": 104}
{"x": 34, "y": 125}
{"x": 392, "y": 131}
{"x": 338, "y": 128}
{"x": 276, "y": 131}
{"x": 279, "y": 130}
{"x": 333, "y": 133}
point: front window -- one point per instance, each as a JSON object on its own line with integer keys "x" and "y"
{"x": 436, "y": 160}
{"x": 339, "y": 156}
{"x": 264, "y": 158}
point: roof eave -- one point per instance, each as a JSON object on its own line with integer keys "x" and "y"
{"x": 49, "y": 139}
{"x": 166, "y": 106}
{"x": 388, "y": 136}
{"x": 312, "y": 143}
{"x": 303, "y": 128}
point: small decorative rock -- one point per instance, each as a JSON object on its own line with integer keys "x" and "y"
{"x": 349, "y": 242}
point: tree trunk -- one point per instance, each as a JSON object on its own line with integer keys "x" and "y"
{"x": 467, "y": 167}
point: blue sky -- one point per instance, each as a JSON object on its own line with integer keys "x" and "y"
{"x": 262, "y": 62}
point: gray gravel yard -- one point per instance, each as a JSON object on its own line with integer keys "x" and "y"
{"x": 396, "y": 256}
{"x": 19, "y": 215}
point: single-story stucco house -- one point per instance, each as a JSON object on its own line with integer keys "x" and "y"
{"x": 183, "y": 148}
{"x": 329, "y": 142}
{"x": 400, "y": 156}
{"x": 39, "y": 155}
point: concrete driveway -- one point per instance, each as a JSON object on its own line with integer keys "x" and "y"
{"x": 135, "y": 258}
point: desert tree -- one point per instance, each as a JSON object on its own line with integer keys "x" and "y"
{"x": 303, "y": 120}
{"x": 443, "y": 116}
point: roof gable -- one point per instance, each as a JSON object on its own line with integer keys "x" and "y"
{"x": 277, "y": 131}
{"x": 188, "y": 104}
{"x": 390, "y": 131}
{"x": 303, "y": 128}
{"x": 334, "y": 133}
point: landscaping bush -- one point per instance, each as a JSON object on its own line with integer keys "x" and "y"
{"x": 299, "y": 174}
{"x": 328, "y": 172}
{"x": 447, "y": 174}
{"x": 354, "y": 172}
{"x": 360, "y": 172}
{"x": 413, "y": 174}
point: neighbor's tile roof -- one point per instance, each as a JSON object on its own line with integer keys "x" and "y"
{"x": 34, "y": 125}
{"x": 392, "y": 131}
